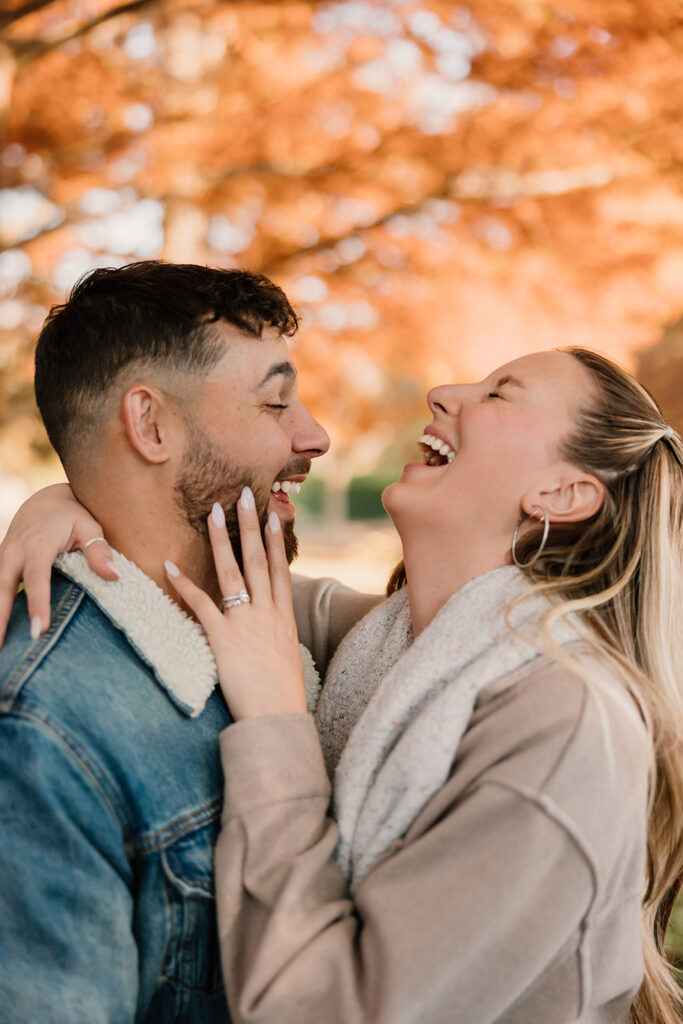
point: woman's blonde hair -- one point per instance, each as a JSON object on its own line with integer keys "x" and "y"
{"x": 622, "y": 572}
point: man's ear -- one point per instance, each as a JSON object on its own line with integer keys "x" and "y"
{"x": 145, "y": 415}
{"x": 573, "y": 499}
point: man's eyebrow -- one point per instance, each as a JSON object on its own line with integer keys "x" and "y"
{"x": 508, "y": 379}
{"x": 277, "y": 370}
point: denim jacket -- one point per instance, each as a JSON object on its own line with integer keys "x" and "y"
{"x": 110, "y": 799}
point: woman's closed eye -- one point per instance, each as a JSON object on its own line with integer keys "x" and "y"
{"x": 493, "y": 394}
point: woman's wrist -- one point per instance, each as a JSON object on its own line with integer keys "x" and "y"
{"x": 277, "y": 757}
{"x": 273, "y": 704}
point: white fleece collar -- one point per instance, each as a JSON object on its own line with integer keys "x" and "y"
{"x": 169, "y": 641}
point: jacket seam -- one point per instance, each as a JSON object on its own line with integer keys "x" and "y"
{"x": 630, "y": 897}
{"x": 40, "y": 648}
{"x": 143, "y": 844}
{"x": 154, "y": 841}
{"x": 547, "y": 807}
{"x": 562, "y": 754}
{"x": 84, "y": 762}
{"x": 538, "y": 664}
{"x": 197, "y": 881}
{"x": 528, "y": 675}
{"x": 248, "y": 805}
{"x": 186, "y": 987}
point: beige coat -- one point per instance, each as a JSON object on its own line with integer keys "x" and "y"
{"x": 514, "y": 897}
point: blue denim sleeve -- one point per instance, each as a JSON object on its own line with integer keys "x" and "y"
{"x": 67, "y": 947}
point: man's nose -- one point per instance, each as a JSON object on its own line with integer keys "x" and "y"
{"x": 309, "y": 437}
{"x": 447, "y": 398}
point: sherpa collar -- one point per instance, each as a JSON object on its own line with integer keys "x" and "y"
{"x": 169, "y": 641}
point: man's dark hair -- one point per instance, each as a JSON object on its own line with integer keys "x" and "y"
{"x": 149, "y": 313}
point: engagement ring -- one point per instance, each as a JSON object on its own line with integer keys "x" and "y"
{"x": 233, "y": 600}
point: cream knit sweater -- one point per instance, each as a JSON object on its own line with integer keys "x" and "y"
{"x": 393, "y": 710}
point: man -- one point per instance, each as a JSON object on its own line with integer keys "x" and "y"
{"x": 163, "y": 388}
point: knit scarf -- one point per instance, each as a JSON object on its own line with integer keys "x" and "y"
{"x": 393, "y": 709}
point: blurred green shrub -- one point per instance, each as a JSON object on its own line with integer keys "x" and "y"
{"x": 365, "y": 495}
{"x": 311, "y": 498}
{"x": 674, "y": 936}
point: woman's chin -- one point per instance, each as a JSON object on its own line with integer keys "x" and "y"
{"x": 409, "y": 471}
{"x": 397, "y": 500}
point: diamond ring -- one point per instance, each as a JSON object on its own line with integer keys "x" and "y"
{"x": 233, "y": 600}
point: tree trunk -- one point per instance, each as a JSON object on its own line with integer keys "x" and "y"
{"x": 7, "y": 69}
{"x": 336, "y": 475}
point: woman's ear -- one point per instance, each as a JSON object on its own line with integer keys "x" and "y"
{"x": 143, "y": 410}
{"x": 575, "y": 498}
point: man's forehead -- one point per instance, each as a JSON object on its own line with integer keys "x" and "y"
{"x": 255, "y": 360}
{"x": 235, "y": 337}
{"x": 232, "y": 334}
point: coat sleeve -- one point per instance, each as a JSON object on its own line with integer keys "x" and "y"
{"x": 66, "y": 940}
{"x": 495, "y": 881}
{"x": 325, "y": 611}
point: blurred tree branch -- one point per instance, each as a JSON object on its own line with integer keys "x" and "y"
{"x": 72, "y": 216}
{"x": 26, "y": 52}
{"x": 9, "y": 17}
{"x": 272, "y": 267}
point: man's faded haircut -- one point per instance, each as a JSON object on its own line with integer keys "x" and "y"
{"x": 151, "y": 314}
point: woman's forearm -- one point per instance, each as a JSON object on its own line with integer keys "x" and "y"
{"x": 48, "y": 522}
{"x": 275, "y": 848}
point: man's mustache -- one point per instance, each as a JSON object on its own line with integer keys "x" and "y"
{"x": 296, "y": 467}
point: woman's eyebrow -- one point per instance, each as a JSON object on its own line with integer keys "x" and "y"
{"x": 515, "y": 381}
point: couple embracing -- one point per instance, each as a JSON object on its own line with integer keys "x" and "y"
{"x": 479, "y": 816}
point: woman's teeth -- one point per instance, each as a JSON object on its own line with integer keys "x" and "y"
{"x": 286, "y": 486}
{"x": 441, "y": 453}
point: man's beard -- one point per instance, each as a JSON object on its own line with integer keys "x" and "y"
{"x": 207, "y": 476}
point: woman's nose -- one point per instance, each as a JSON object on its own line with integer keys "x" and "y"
{"x": 447, "y": 398}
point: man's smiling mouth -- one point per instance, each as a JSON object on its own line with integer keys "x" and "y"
{"x": 435, "y": 452}
{"x": 283, "y": 488}
{"x": 286, "y": 486}
{"x": 292, "y": 477}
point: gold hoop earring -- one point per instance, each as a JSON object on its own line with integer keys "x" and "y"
{"x": 546, "y": 528}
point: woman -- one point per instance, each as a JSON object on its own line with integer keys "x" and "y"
{"x": 492, "y": 729}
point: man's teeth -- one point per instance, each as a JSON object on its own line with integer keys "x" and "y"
{"x": 441, "y": 450}
{"x": 286, "y": 486}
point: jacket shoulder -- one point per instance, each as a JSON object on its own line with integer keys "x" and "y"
{"x": 21, "y": 655}
{"x": 574, "y": 718}
{"x": 569, "y": 737}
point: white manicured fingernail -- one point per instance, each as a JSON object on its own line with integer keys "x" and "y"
{"x": 112, "y": 568}
{"x": 274, "y": 522}
{"x": 171, "y": 568}
{"x": 36, "y": 626}
{"x": 217, "y": 514}
{"x": 247, "y": 499}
